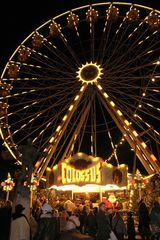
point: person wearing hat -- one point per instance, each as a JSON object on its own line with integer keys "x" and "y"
{"x": 48, "y": 225}
{"x": 20, "y": 227}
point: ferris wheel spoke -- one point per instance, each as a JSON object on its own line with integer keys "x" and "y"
{"x": 113, "y": 145}
{"x": 140, "y": 56}
{"x": 76, "y": 129}
{"x": 142, "y": 123}
{"x": 45, "y": 70}
{"x": 141, "y": 100}
{"x": 65, "y": 60}
{"x": 31, "y": 104}
{"x": 127, "y": 39}
{"x": 71, "y": 51}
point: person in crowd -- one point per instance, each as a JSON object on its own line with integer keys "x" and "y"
{"x": 118, "y": 225}
{"x": 55, "y": 213}
{"x": 130, "y": 226}
{"x": 73, "y": 222}
{"x": 110, "y": 213}
{"x": 103, "y": 223}
{"x": 155, "y": 219}
{"x": 33, "y": 225}
{"x": 48, "y": 227}
{"x": 90, "y": 224}
{"x": 69, "y": 206}
{"x": 144, "y": 220}
{"x": 95, "y": 211}
{"x": 5, "y": 219}
{"x": 63, "y": 217}
{"x": 20, "y": 227}
{"x": 82, "y": 217}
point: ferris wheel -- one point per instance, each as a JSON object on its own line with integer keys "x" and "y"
{"x": 86, "y": 81}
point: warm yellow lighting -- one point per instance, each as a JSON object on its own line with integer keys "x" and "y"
{"x": 119, "y": 112}
{"x": 55, "y": 167}
{"x": 109, "y": 165}
{"x": 126, "y": 122}
{"x": 37, "y": 164}
{"x": 64, "y": 118}
{"x": 64, "y": 165}
{"x": 105, "y": 95}
{"x": 76, "y": 98}
{"x": 112, "y": 187}
{"x": 70, "y": 108}
{"x": 43, "y": 179}
{"x": 74, "y": 188}
{"x": 58, "y": 128}
{"x": 138, "y": 147}
{"x": 89, "y": 73}
{"x": 51, "y": 140}
{"x": 151, "y": 167}
{"x": 82, "y": 88}
{"x": 122, "y": 166}
{"x": 135, "y": 133}
{"x": 99, "y": 86}
{"x": 112, "y": 198}
{"x": 49, "y": 150}
{"x": 112, "y": 103}
{"x": 144, "y": 145}
{"x": 87, "y": 188}
{"x": 67, "y": 160}
{"x": 48, "y": 169}
{"x": 95, "y": 159}
{"x": 153, "y": 157}
{"x": 79, "y": 154}
{"x": 72, "y": 175}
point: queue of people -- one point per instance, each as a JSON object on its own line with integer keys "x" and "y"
{"x": 93, "y": 223}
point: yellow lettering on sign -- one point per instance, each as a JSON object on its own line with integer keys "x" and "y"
{"x": 73, "y": 175}
{"x": 64, "y": 179}
{"x": 98, "y": 173}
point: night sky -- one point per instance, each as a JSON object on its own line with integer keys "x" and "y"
{"x": 18, "y": 20}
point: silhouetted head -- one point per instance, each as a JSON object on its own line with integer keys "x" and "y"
{"x": 19, "y": 208}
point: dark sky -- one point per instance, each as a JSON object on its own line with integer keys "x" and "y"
{"x": 19, "y": 19}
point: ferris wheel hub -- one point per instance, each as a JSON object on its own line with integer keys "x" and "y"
{"x": 89, "y": 73}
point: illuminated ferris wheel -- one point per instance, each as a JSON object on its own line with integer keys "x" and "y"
{"x": 86, "y": 81}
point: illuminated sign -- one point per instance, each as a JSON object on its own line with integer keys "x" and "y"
{"x": 72, "y": 175}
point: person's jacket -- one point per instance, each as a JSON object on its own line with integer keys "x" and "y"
{"x": 48, "y": 228}
{"x": 104, "y": 228}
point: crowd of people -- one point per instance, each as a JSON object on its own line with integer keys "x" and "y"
{"x": 64, "y": 221}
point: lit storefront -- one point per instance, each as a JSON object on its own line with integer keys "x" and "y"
{"x": 86, "y": 174}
